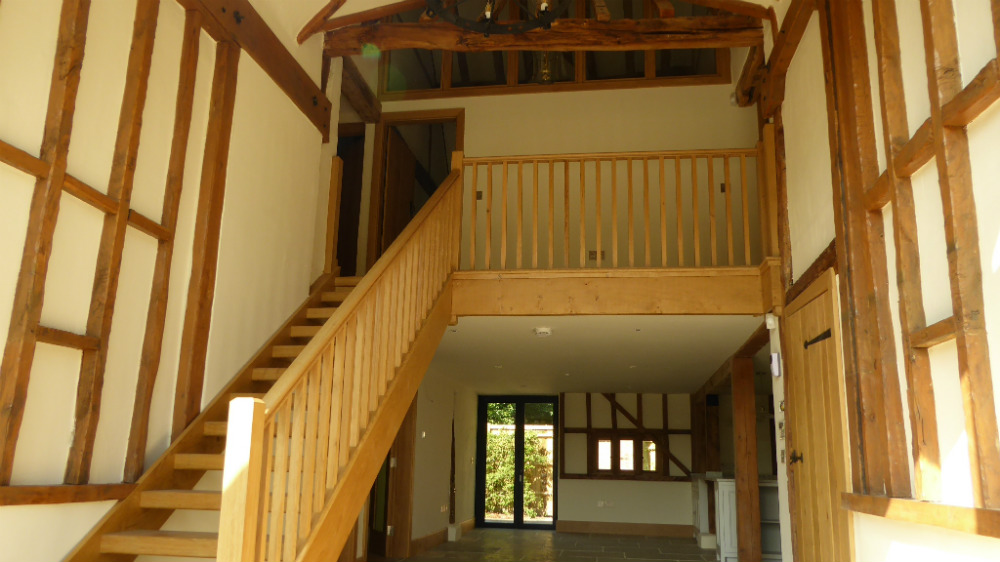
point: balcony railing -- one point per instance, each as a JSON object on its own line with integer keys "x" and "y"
{"x": 614, "y": 210}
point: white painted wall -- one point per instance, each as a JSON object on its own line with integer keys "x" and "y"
{"x": 267, "y": 246}
{"x": 438, "y": 401}
{"x": 625, "y": 501}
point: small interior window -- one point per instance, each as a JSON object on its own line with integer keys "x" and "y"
{"x": 649, "y": 456}
{"x": 604, "y": 454}
{"x": 626, "y": 455}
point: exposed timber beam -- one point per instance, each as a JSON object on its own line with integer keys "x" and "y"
{"x": 373, "y": 14}
{"x": 601, "y": 11}
{"x": 565, "y": 35}
{"x": 38, "y": 495}
{"x": 757, "y": 340}
{"x": 26, "y": 310}
{"x": 748, "y": 85}
{"x": 792, "y": 28}
{"x": 359, "y": 94}
{"x": 664, "y": 8}
{"x": 740, "y": 7}
{"x": 312, "y": 26}
{"x": 241, "y": 24}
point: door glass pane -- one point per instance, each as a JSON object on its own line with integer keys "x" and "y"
{"x": 500, "y": 462}
{"x": 626, "y": 448}
{"x": 539, "y": 428}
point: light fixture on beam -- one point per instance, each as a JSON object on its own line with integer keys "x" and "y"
{"x": 487, "y": 14}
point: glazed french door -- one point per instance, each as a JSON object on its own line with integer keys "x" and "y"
{"x": 515, "y": 469}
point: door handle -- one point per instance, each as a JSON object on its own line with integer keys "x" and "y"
{"x": 794, "y": 458}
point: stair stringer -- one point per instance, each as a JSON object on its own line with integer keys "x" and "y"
{"x": 127, "y": 514}
{"x": 335, "y": 523}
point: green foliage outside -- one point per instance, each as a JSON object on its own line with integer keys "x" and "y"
{"x": 500, "y": 474}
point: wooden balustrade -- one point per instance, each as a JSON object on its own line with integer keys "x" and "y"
{"x": 287, "y": 453}
{"x": 642, "y": 209}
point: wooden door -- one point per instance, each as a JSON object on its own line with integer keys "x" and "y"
{"x": 400, "y": 174}
{"x": 817, "y": 448}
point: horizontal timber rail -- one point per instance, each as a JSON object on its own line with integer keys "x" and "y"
{"x": 626, "y": 209}
{"x": 292, "y": 453}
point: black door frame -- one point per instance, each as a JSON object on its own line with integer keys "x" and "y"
{"x": 519, "y": 401}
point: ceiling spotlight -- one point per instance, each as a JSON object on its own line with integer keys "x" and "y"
{"x": 565, "y": 374}
{"x": 498, "y": 366}
{"x": 632, "y": 366}
{"x": 543, "y": 331}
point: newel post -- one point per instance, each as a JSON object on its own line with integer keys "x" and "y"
{"x": 768, "y": 162}
{"x": 458, "y": 164}
{"x": 242, "y": 481}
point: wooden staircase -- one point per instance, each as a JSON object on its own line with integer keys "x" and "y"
{"x": 301, "y": 432}
{"x": 133, "y": 527}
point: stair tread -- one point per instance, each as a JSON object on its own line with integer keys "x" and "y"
{"x": 199, "y": 461}
{"x": 181, "y": 499}
{"x": 347, "y": 281}
{"x": 266, "y": 373}
{"x": 162, "y": 543}
{"x": 216, "y": 428}
{"x": 320, "y": 312}
{"x": 337, "y": 295}
{"x": 305, "y": 331}
{"x": 286, "y": 351}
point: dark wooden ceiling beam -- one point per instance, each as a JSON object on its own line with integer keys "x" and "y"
{"x": 312, "y": 26}
{"x": 739, "y": 7}
{"x": 359, "y": 94}
{"x": 241, "y": 24}
{"x": 373, "y": 14}
{"x": 664, "y": 8}
{"x": 793, "y": 27}
{"x": 565, "y": 35}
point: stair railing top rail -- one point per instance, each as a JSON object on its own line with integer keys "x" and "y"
{"x": 607, "y": 156}
{"x": 284, "y": 385}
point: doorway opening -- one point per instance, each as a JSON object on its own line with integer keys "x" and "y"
{"x": 515, "y": 470}
{"x": 351, "y": 150}
{"x": 412, "y": 158}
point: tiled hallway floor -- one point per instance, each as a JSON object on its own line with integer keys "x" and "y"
{"x": 503, "y": 545}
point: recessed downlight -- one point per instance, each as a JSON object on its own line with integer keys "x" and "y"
{"x": 543, "y": 331}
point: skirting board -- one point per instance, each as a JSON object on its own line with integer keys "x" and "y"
{"x": 639, "y": 529}
{"x": 428, "y": 542}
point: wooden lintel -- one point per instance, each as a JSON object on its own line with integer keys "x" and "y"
{"x": 664, "y": 8}
{"x": 565, "y": 35}
{"x": 39, "y": 495}
{"x": 937, "y": 333}
{"x": 740, "y": 7}
{"x": 365, "y": 16}
{"x": 359, "y": 94}
{"x": 245, "y": 27}
{"x": 757, "y": 340}
{"x": 62, "y": 338}
{"x": 975, "y": 521}
{"x": 792, "y": 28}
{"x": 149, "y": 226}
{"x": 601, "y": 12}
{"x": 597, "y": 292}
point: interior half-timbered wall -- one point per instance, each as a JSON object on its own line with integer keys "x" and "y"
{"x": 266, "y": 248}
{"x": 624, "y": 501}
{"x": 811, "y": 225}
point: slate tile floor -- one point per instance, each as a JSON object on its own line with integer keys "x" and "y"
{"x": 503, "y": 545}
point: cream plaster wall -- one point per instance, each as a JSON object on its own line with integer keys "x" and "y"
{"x": 807, "y": 152}
{"x": 438, "y": 400}
{"x": 625, "y": 501}
{"x": 267, "y": 247}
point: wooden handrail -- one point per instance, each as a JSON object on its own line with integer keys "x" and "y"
{"x": 291, "y": 376}
{"x": 607, "y": 156}
{"x": 290, "y": 453}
